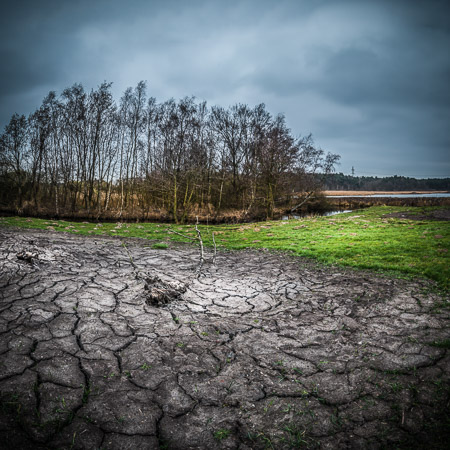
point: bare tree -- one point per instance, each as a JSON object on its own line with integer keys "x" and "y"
{"x": 277, "y": 156}
{"x": 15, "y": 154}
{"x": 313, "y": 163}
{"x": 232, "y": 128}
{"x": 85, "y": 154}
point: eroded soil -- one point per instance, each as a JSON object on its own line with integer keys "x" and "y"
{"x": 261, "y": 351}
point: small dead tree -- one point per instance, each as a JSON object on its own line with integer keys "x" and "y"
{"x": 199, "y": 239}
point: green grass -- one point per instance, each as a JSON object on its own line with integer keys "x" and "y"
{"x": 362, "y": 240}
{"x": 221, "y": 434}
{"x": 445, "y": 343}
{"x": 160, "y": 245}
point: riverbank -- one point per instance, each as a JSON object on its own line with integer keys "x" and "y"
{"x": 376, "y": 238}
{"x": 406, "y": 200}
{"x": 369, "y": 193}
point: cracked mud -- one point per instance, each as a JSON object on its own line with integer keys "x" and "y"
{"x": 261, "y": 351}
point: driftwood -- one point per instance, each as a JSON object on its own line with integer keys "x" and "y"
{"x": 159, "y": 292}
{"x": 27, "y": 256}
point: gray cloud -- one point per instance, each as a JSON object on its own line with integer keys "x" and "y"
{"x": 368, "y": 79}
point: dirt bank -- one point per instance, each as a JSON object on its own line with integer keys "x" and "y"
{"x": 261, "y": 351}
{"x": 438, "y": 214}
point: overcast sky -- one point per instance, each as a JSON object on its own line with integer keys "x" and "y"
{"x": 369, "y": 79}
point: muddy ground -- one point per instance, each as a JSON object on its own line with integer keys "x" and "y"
{"x": 261, "y": 351}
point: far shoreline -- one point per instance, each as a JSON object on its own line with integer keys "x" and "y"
{"x": 331, "y": 193}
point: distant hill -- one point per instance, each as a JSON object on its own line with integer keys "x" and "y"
{"x": 341, "y": 182}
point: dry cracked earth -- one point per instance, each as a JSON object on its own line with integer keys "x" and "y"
{"x": 260, "y": 351}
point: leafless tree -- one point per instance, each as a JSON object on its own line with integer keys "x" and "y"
{"x": 82, "y": 153}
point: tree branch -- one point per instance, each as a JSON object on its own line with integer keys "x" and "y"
{"x": 215, "y": 249}
{"x": 202, "y": 255}
{"x": 308, "y": 197}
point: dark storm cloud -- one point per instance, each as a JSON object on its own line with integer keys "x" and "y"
{"x": 368, "y": 79}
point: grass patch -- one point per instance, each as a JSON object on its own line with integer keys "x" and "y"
{"x": 363, "y": 240}
{"x": 445, "y": 343}
{"x": 221, "y": 434}
{"x": 160, "y": 245}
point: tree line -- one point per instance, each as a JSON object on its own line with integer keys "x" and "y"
{"x": 339, "y": 181}
{"x": 84, "y": 153}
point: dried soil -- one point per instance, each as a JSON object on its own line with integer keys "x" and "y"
{"x": 260, "y": 351}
